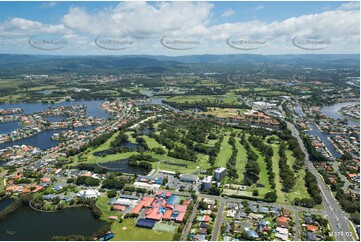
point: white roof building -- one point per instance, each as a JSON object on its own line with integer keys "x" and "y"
{"x": 88, "y": 194}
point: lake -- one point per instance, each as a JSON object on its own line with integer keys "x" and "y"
{"x": 93, "y": 107}
{"x": 29, "y": 224}
{"x": 42, "y": 139}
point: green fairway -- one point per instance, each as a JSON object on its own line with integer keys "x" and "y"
{"x": 191, "y": 99}
{"x": 263, "y": 175}
{"x": 152, "y": 143}
{"x": 299, "y": 190}
{"x": 200, "y": 164}
{"x": 127, "y": 231}
{"x": 224, "y": 154}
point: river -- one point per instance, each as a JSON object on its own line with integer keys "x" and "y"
{"x": 317, "y": 132}
{"x": 332, "y": 112}
{"x": 28, "y": 224}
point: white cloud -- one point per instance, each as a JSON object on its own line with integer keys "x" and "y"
{"x": 228, "y": 12}
{"x": 350, "y": 6}
{"x": 142, "y": 20}
{"x": 48, "y": 4}
{"x": 255, "y": 9}
{"x": 191, "y": 20}
{"x": 18, "y": 26}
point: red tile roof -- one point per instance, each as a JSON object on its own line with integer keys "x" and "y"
{"x": 167, "y": 215}
{"x": 118, "y": 207}
{"x": 180, "y": 217}
{"x": 153, "y": 213}
{"x": 282, "y": 219}
{"x": 310, "y": 227}
{"x": 137, "y": 208}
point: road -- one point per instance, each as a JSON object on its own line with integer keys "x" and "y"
{"x": 188, "y": 226}
{"x": 335, "y": 214}
{"x": 218, "y": 222}
{"x": 297, "y": 226}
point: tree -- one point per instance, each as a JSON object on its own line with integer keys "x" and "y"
{"x": 112, "y": 193}
{"x": 271, "y": 196}
{"x": 255, "y": 193}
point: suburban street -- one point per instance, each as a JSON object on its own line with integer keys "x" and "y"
{"x": 218, "y": 222}
{"x": 189, "y": 223}
{"x": 338, "y": 222}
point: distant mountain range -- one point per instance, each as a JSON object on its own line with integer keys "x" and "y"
{"x": 12, "y": 63}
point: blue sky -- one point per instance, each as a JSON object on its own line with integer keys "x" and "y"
{"x": 335, "y": 24}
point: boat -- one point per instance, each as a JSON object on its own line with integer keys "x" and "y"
{"x": 10, "y": 232}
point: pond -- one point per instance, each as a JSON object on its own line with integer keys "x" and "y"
{"x": 121, "y": 166}
{"x": 5, "y": 202}
{"x": 28, "y": 224}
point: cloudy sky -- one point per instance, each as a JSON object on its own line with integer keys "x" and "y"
{"x": 179, "y": 28}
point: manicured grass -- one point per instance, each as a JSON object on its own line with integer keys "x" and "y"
{"x": 152, "y": 143}
{"x": 127, "y": 231}
{"x": 200, "y": 164}
{"x": 241, "y": 160}
{"x": 131, "y": 139}
{"x": 11, "y": 83}
{"x": 224, "y": 112}
{"x": 102, "y": 204}
{"x": 91, "y": 159}
{"x": 263, "y": 175}
{"x": 299, "y": 190}
{"x": 191, "y": 98}
{"x": 352, "y": 229}
{"x": 224, "y": 154}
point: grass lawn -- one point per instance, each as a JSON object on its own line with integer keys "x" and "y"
{"x": 352, "y": 229}
{"x": 102, "y": 204}
{"x": 299, "y": 190}
{"x": 191, "y": 98}
{"x": 131, "y": 139}
{"x": 263, "y": 175}
{"x": 91, "y": 159}
{"x": 201, "y": 164}
{"x": 224, "y": 154}
{"x": 127, "y": 231}
{"x": 224, "y": 112}
{"x": 152, "y": 143}
{"x": 11, "y": 83}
